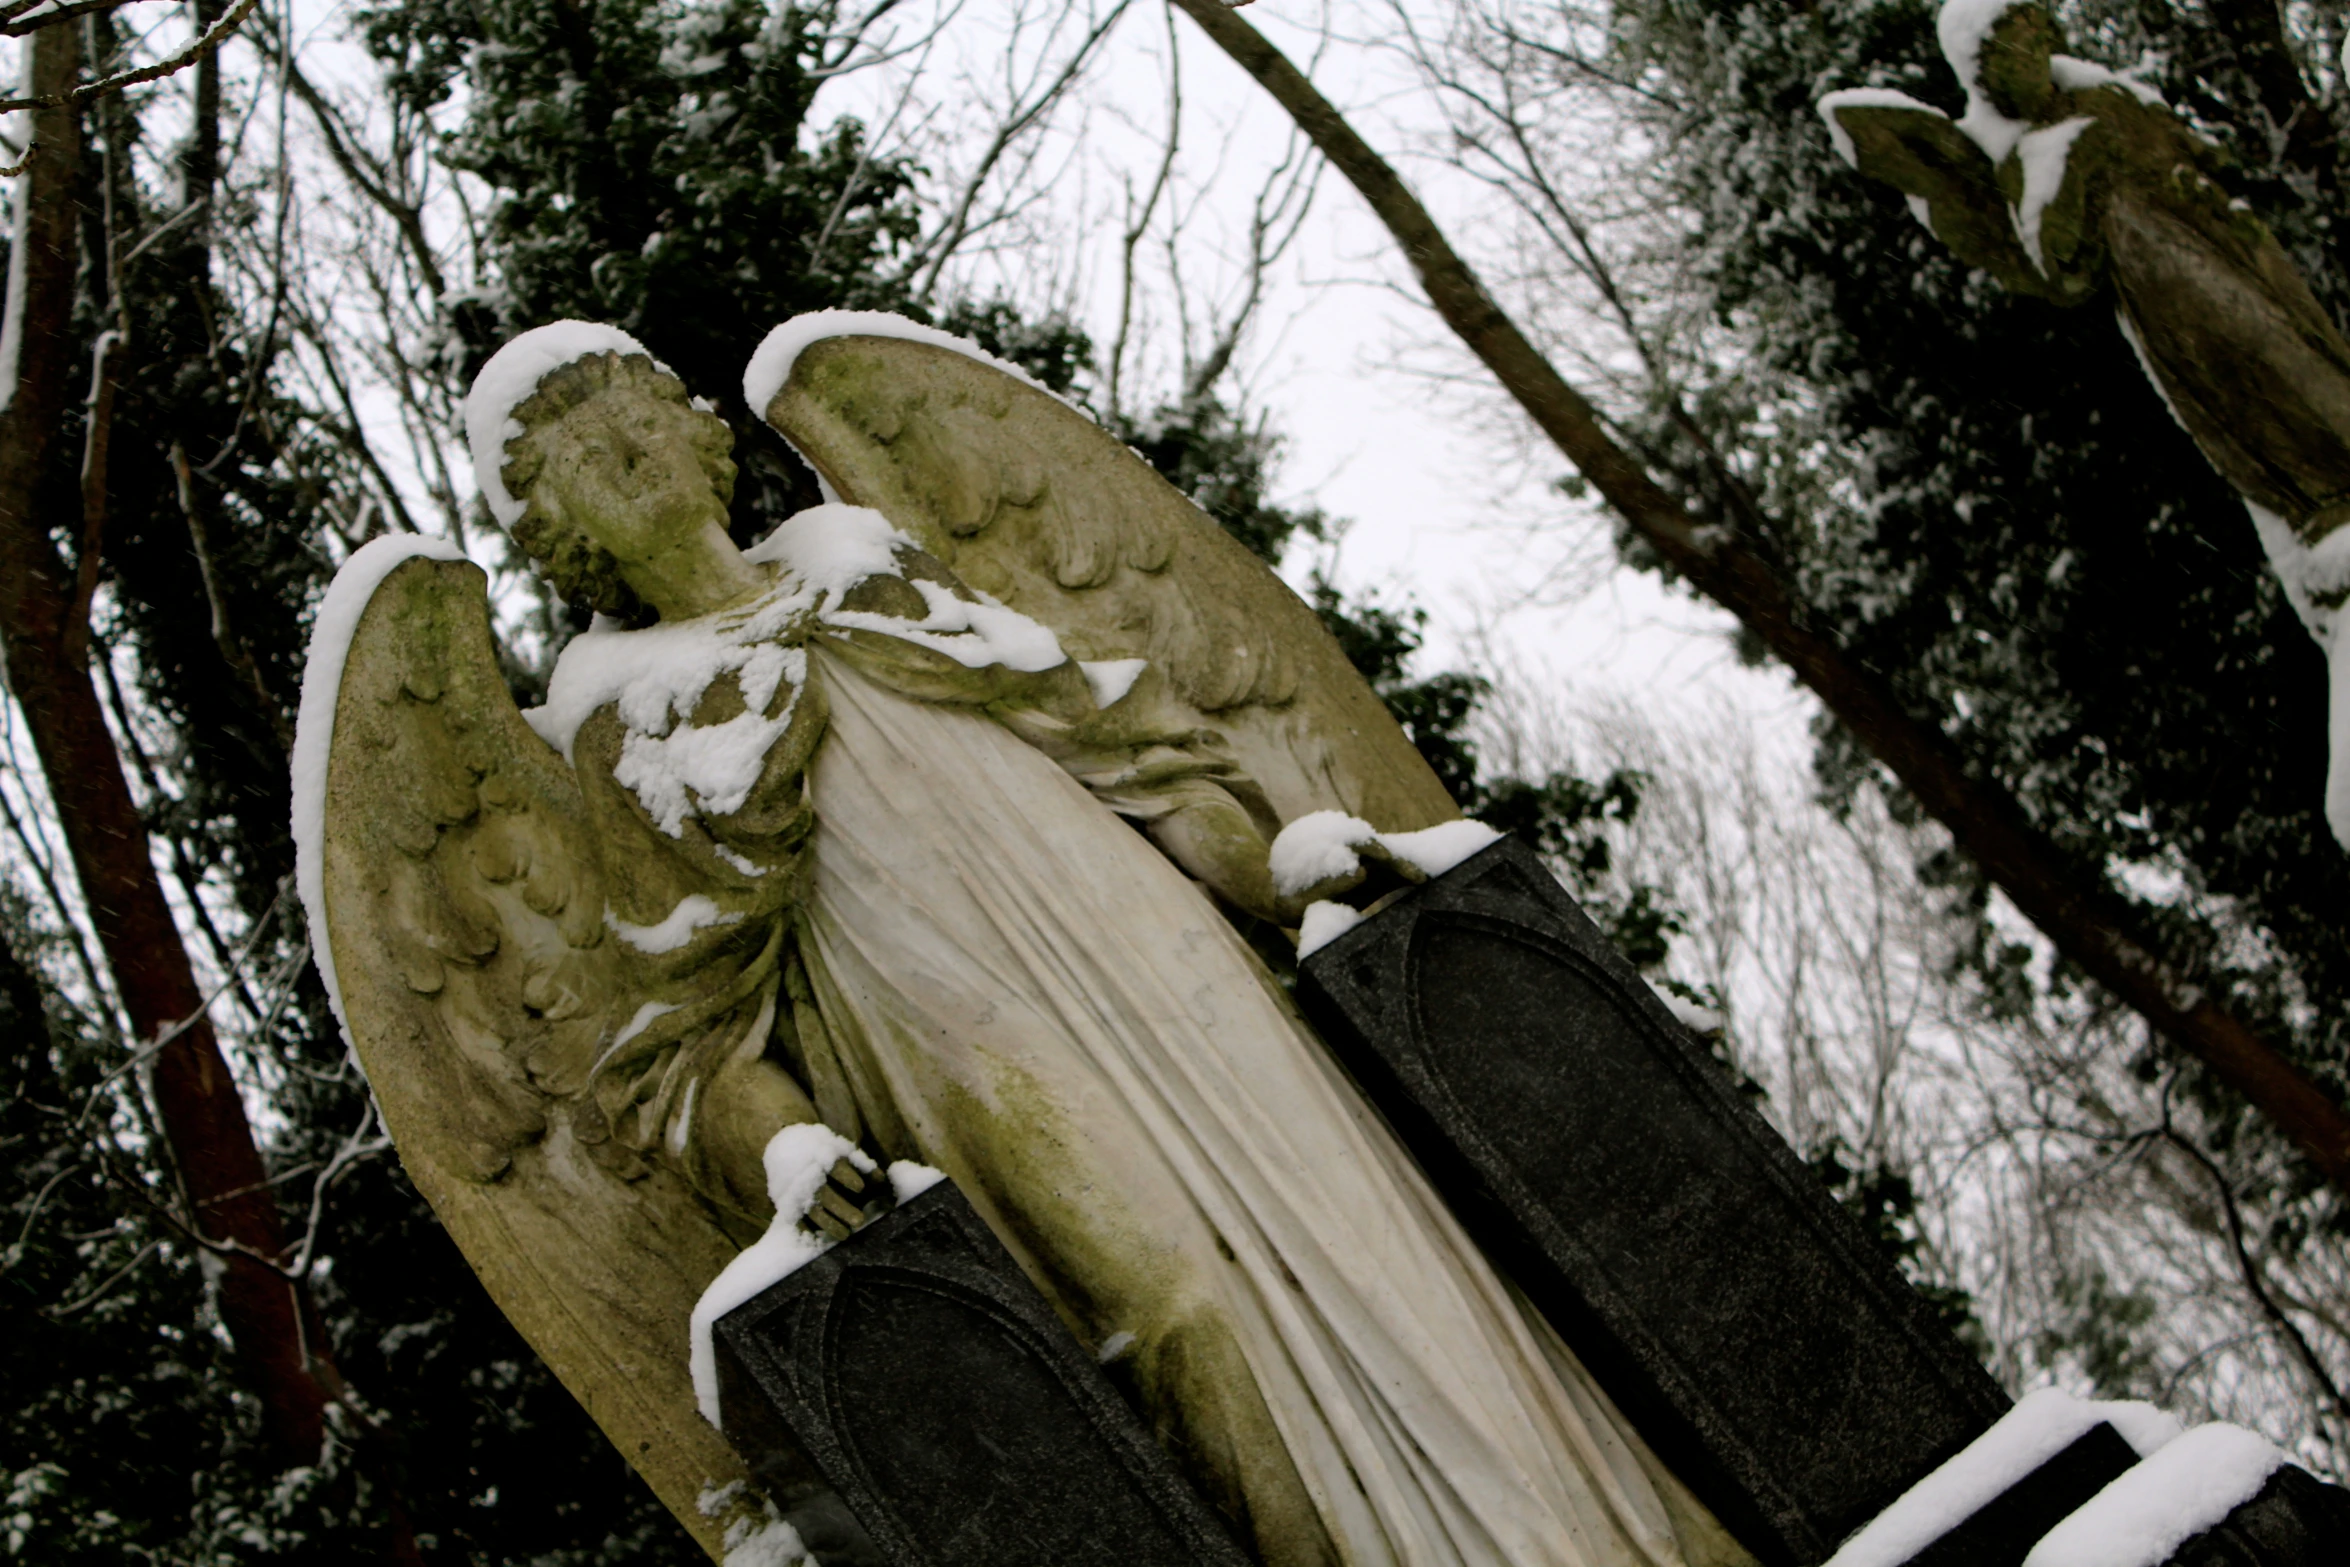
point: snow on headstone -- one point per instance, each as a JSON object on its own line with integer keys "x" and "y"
{"x": 2040, "y": 1426}
{"x": 1320, "y": 846}
{"x": 798, "y": 1160}
{"x": 2139, "y": 1520}
{"x": 1434, "y": 850}
{"x": 908, "y": 1180}
{"x": 1323, "y": 924}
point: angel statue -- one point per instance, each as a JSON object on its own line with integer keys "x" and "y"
{"x": 2063, "y": 177}
{"x": 920, "y": 820}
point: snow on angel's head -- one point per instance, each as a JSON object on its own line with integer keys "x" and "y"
{"x": 577, "y": 431}
{"x": 508, "y": 380}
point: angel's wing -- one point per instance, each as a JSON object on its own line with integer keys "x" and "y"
{"x": 1031, "y": 501}
{"x": 464, "y": 913}
{"x": 1951, "y": 184}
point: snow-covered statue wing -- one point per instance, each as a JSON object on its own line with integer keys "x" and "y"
{"x": 457, "y": 907}
{"x": 2071, "y": 182}
{"x": 1032, "y": 502}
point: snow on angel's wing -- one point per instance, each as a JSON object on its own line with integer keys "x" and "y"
{"x": 457, "y": 911}
{"x": 1032, "y": 502}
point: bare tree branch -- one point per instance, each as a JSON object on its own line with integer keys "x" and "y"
{"x": 1023, "y": 113}
{"x": 2081, "y": 916}
{"x": 73, "y": 98}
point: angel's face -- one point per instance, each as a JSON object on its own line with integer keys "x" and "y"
{"x": 632, "y": 472}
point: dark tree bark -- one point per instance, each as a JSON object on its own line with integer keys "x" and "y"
{"x": 2076, "y": 912}
{"x": 233, "y": 1208}
{"x": 275, "y": 1327}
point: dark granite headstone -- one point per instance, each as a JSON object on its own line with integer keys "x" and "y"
{"x": 1736, "y": 1314}
{"x": 2004, "y": 1530}
{"x": 909, "y": 1400}
{"x": 2296, "y": 1520}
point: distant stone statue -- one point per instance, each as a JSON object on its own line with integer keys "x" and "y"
{"x": 2063, "y": 178}
{"x": 915, "y": 821}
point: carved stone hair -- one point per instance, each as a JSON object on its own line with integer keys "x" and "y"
{"x": 581, "y": 569}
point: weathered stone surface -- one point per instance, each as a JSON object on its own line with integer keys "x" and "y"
{"x": 2296, "y": 1520}
{"x": 909, "y": 1400}
{"x": 1033, "y": 502}
{"x": 1740, "y": 1318}
{"x": 2003, "y": 1532}
{"x": 2246, "y": 357}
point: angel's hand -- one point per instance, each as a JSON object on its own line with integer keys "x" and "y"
{"x": 847, "y": 1201}
{"x": 1329, "y": 856}
{"x": 823, "y": 1185}
{"x": 1215, "y": 840}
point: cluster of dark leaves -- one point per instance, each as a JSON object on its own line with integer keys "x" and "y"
{"x": 1985, "y": 502}
{"x": 1885, "y": 1204}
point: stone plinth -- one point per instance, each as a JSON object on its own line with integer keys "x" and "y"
{"x": 909, "y": 1400}
{"x": 1595, "y": 1150}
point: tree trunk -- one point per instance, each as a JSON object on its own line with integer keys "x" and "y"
{"x": 203, "y": 1119}
{"x": 2080, "y": 916}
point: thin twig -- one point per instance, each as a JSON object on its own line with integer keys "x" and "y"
{"x": 14, "y": 22}
{"x": 958, "y": 226}
{"x": 1139, "y": 219}
{"x": 224, "y": 632}
{"x": 184, "y": 869}
{"x": 213, "y": 38}
{"x": 2250, "y": 1271}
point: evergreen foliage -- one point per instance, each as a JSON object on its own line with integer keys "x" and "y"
{"x": 1986, "y": 501}
{"x": 655, "y": 167}
{"x": 1886, "y": 1205}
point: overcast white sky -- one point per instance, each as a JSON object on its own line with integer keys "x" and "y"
{"x": 1448, "y": 506}
{"x": 1447, "y": 503}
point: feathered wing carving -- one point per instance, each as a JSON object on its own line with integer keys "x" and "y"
{"x": 466, "y": 915}
{"x": 1031, "y": 501}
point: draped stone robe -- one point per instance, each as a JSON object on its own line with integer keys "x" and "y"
{"x": 936, "y": 913}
